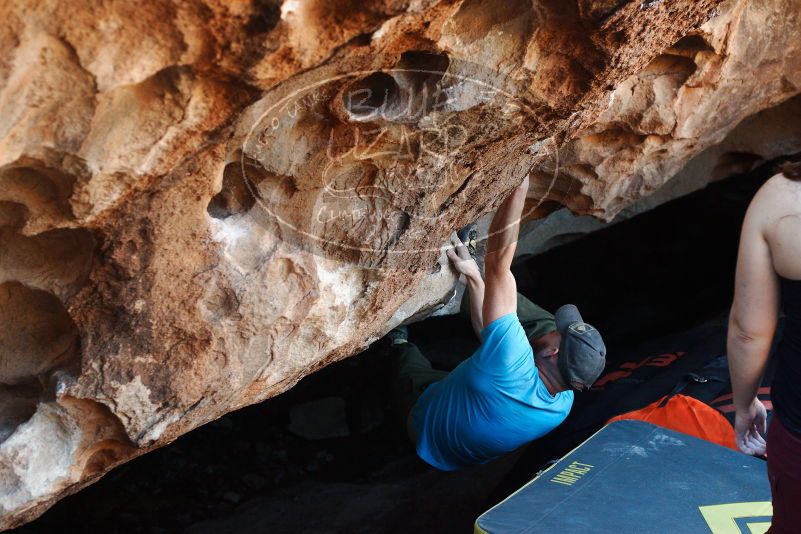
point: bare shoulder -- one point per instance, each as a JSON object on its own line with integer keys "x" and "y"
{"x": 776, "y": 199}
{"x": 779, "y": 187}
{"x": 778, "y": 207}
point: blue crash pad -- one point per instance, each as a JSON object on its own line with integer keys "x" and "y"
{"x": 633, "y": 476}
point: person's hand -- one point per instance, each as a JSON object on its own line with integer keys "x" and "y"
{"x": 749, "y": 427}
{"x": 461, "y": 259}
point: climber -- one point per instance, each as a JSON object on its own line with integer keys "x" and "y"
{"x": 518, "y": 385}
{"x": 768, "y": 280}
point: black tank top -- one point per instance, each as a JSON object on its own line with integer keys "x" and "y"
{"x": 786, "y": 390}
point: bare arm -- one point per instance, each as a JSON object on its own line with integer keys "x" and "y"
{"x": 752, "y": 324}
{"x": 500, "y": 296}
{"x": 476, "y": 288}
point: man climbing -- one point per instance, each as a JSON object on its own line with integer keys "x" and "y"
{"x": 518, "y": 385}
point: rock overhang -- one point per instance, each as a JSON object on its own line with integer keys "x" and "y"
{"x": 186, "y": 258}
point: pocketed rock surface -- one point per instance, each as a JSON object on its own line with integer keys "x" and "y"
{"x": 202, "y": 202}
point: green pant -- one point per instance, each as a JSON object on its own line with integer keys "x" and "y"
{"x": 412, "y": 372}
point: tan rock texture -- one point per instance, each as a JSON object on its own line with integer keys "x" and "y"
{"x": 203, "y": 201}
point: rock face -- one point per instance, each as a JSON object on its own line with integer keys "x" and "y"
{"x": 201, "y": 202}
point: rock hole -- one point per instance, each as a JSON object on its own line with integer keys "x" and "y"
{"x": 405, "y": 96}
{"x": 422, "y": 68}
{"x": 264, "y": 18}
{"x": 38, "y": 334}
{"x": 371, "y": 97}
{"x": 44, "y": 191}
{"x": 363, "y": 39}
{"x": 689, "y": 45}
{"x": 58, "y": 261}
{"x": 676, "y": 66}
{"x": 12, "y": 214}
{"x": 418, "y": 75}
{"x": 614, "y": 40}
{"x": 239, "y": 190}
{"x": 111, "y": 446}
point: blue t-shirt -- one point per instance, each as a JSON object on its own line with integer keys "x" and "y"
{"x": 493, "y": 403}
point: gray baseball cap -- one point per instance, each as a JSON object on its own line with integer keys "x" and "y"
{"x": 582, "y": 353}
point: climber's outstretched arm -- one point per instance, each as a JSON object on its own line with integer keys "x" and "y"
{"x": 500, "y": 294}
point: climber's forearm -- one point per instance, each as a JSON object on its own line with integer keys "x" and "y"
{"x": 475, "y": 285}
{"x": 501, "y": 288}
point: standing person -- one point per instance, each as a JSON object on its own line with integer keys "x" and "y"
{"x": 504, "y": 395}
{"x": 769, "y": 277}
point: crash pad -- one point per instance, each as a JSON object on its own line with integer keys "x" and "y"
{"x": 632, "y": 476}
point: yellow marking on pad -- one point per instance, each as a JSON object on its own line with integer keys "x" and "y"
{"x": 721, "y": 518}
{"x": 759, "y": 528}
{"x": 572, "y": 473}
